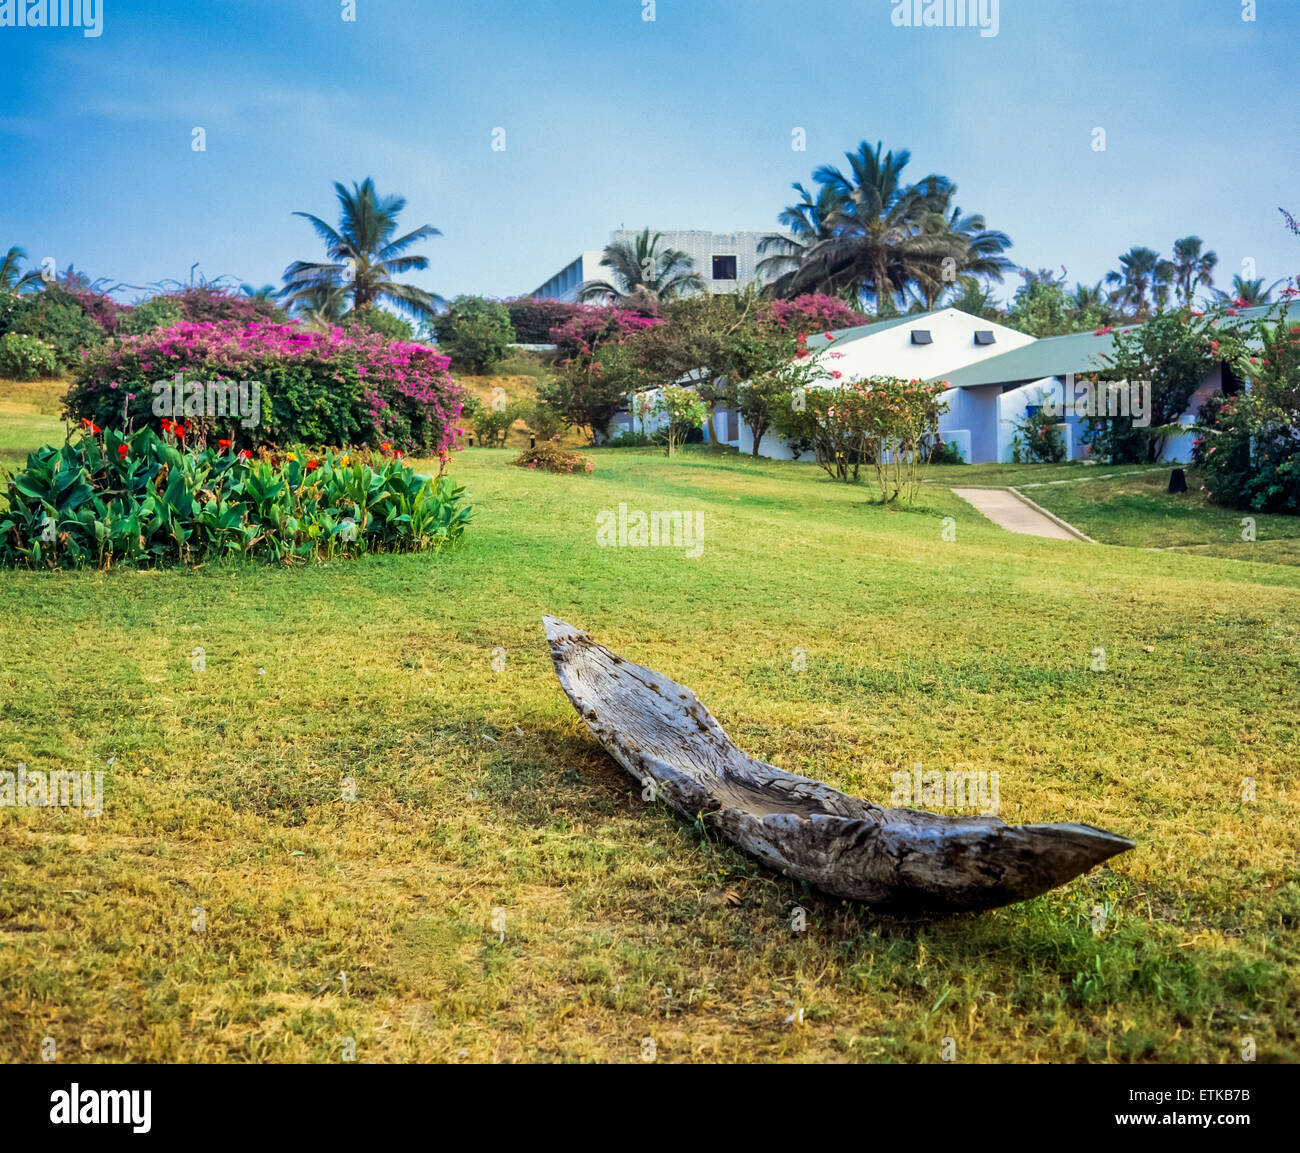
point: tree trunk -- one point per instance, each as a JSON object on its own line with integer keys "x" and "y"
{"x": 900, "y": 859}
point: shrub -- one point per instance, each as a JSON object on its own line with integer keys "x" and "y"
{"x": 1173, "y": 350}
{"x": 812, "y": 312}
{"x": 378, "y": 320}
{"x": 681, "y": 410}
{"x": 208, "y": 304}
{"x": 1038, "y": 437}
{"x": 550, "y": 457}
{"x": 543, "y": 421}
{"x": 25, "y": 357}
{"x": 157, "y": 312}
{"x": 884, "y": 421}
{"x": 338, "y": 387}
{"x": 628, "y": 439}
{"x": 579, "y": 338}
{"x": 1249, "y": 449}
{"x": 142, "y": 500}
{"x": 533, "y": 319}
{"x": 55, "y": 317}
{"x": 586, "y": 392}
{"x": 475, "y": 333}
{"x": 491, "y": 422}
{"x": 1251, "y": 456}
{"x": 946, "y": 452}
{"x": 101, "y": 308}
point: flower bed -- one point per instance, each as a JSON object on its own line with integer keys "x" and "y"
{"x": 106, "y": 500}
{"x": 340, "y": 387}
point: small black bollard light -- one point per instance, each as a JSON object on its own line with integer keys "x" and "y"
{"x": 532, "y": 442}
{"x": 1178, "y": 481}
{"x": 471, "y": 440}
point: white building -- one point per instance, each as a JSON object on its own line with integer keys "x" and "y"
{"x": 995, "y": 373}
{"x": 1009, "y": 385}
{"x": 728, "y": 261}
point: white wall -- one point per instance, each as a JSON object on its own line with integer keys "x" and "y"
{"x": 892, "y": 353}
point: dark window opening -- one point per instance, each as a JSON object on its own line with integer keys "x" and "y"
{"x": 921, "y": 336}
{"x": 985, "y": 336}
{"x": 1231, "y": 381}
{"x": 724, "y": 268}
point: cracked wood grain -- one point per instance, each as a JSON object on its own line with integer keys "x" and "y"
{"x": 903, "y": 860}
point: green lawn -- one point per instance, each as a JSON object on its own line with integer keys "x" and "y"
{"x": 29, "y": 416}
{"x": 1135, "y": 508}
{"x": 477, "y": 789}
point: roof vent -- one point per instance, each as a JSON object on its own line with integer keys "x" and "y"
{"x": 921, "y": 336}
{"x": 985, "y": 336}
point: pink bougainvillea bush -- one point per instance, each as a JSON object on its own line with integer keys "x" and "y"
{"x": 813, "y": 312}
{"x": 578, "y": 338}
{"x": 342, "y": 387}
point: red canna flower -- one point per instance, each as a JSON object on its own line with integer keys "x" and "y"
{"x": 312, "y": 466}
{"x": 244, "y": 454}
{"x": 121, "y": 452}
{"x": 222, "y": 445}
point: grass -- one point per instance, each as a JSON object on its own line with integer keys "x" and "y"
{"x": 1131, "y": 505}
{"x": 1136, "y": 509}
{"x": 29, "y": 416}
{"x": 478, "y": 790}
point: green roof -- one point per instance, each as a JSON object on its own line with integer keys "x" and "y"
{"x": 843, "y": 334}
{"x": 1078, "y": 353}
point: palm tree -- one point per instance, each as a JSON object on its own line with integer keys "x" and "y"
{"x": 644, "y": 272}
{"x": 876, "y": 243}
{"x": 974, "y": 250}
{"x": 1249, "y": 293}
{"x": 321, "y": 308}
{"x": 1193, "y": 267}
{"x": 267, "y": 292}
{"x": 1139, "y": 269}
{"x": 12, "y": 277}
{"x": 1162, "y": 282}
{"x": 807, "y": 223}
{"x": 364, "y": 254}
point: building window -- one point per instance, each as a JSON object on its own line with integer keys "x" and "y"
{"x": 724, "y": 268}
{"x": 921, "y": 336}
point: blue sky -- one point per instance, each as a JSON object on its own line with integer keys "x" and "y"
{"x": 611, "y": 120}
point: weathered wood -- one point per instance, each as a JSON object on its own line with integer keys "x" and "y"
{"x": 900, "y": 859}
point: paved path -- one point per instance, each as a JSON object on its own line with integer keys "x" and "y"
{"x": 1016, "y": 513}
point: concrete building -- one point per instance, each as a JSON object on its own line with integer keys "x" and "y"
{"x": 727, "y": 260}
{"x": 1009, "y": 385}
{"x": 996, "y": 376}
{"x": 923, "y": 346}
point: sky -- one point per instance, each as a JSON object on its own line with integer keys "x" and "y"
{"x": 612, "y": 119}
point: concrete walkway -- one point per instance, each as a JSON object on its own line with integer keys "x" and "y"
{"x": 1017, "y": 513}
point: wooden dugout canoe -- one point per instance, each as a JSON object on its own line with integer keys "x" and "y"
{"x": 903, "y": 860}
